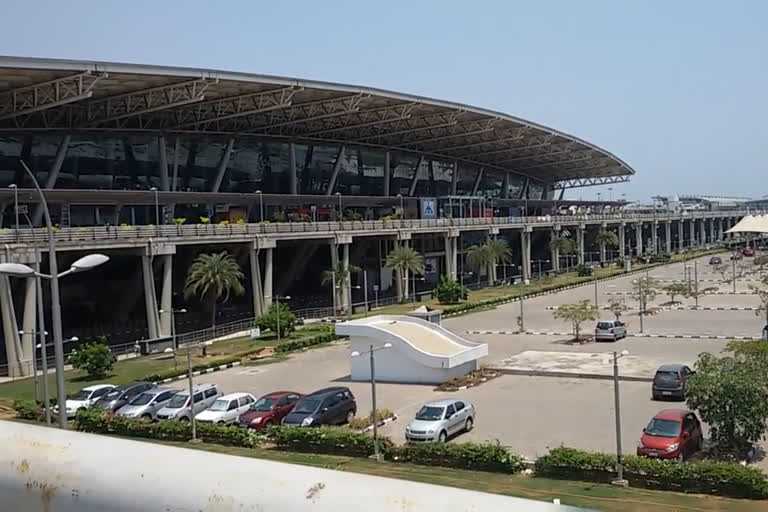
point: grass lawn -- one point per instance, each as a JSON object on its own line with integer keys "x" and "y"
{"x": 581, "y": 494}
{"x": 130, "y": 370}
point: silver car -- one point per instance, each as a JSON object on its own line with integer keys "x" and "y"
{"x": 178, "y": 407}
{"x": 146, "y": 405}
{"x": 441, "y": 419}
{"x": 610, "y": 330}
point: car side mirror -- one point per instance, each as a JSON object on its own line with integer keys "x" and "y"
{"x": 325, "y": 409}
{"x": 644, "y": 429}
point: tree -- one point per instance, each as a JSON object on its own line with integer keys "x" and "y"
{"x": 489, "y": 255}
{"x": 644, "y": 290}
{"x": 675, "y": 289}
{"x": 562, "y": 246}
{"x": 617, "y": 307}
{"x": 498, "y": 248}
{"x": 269, "y": 320}
{"x": 403, "y": 260}
{"x": 729, "y": 394}
{"x": 95, "y": 358}
{"x": 762, "y": 294}
{"x": 214, "y": 277}
{"x": 342, "y": 279}
{"x": 577, "y": 314}
{"x": 450, "y": 291}
{"x": 479, "y": 257}
{"x": 605, "y": 239}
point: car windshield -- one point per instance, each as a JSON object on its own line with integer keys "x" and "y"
{"x": 307, "y": 406}
{"x": 263, "y": 404}
{"x": 427, "y": 413}
{"x": 663, "y": 428}
{"x": 142, "y": 399}
{"x": 604, "y": 325}
{"x": 219, "y": 405}
{"x": 666, "y": 377}
{"x": 177, "y": 402}
{"x": 81, "y": 395}
{"x": 112, "y": 395}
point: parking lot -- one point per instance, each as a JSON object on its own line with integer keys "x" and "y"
{"x": 532, "y": 413}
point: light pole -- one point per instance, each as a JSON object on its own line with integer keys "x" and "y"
{"x": 610, "y": 193}
{"x": 34, "y": 357}
{"x": 522, "y": 299}
{"x": 277, "y": 312}
{"x": 365, "y": 291}
{"x": 341, "y": 210}
{"x": 597, "y": 306}
{"x": 617, "y": 405}
{"x": 402, "y": 211}
{"x": 374, "y": 419}
{"x": 261, "y": 205}
{"x": 733, "y": 270}
{"x": 188, "y": 348}
{"x": 16, "y": 207}
{"x": 333, "y": 293}
{"x": 413, "y": 280}
{"x": 696, "y": 280}
{"x": 173, "y": 330}
{"x": 157, "y": 207}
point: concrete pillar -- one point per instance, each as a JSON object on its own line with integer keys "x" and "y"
{"x": 387, "y": 173}
{"x": 554, "y": 251}
{"x": 712, "y": 234}
{"x": 347, "y": 292}
{"x": 622, "y": 240}
{"x": 268, "y": 294}
{"x": 256, "y": 288}
{"x": 525, "y": 239}
{"x": 10, "y": 328}
{"x": 691, "y": 232}
{"x": 680, "y": 235}
{"x": 150, "y": 299}
{"x": 720, "y": 228}
{"x": 166, "y": 295}
{"x": 580, "y": 244}
{"x": 29, "y": 325}
{"x": 450, "y": 256}
{"x": 668, "y": 236}
{"x": 292, "y": 182}
{"x": 702, "y": 232}
{"x": 639, "y": 239}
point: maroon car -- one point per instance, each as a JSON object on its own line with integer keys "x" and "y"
{"x": 269, "y": 409}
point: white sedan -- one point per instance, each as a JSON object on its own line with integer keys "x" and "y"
{"x": 226, "y": 409}
{"x": 84, "y": 398}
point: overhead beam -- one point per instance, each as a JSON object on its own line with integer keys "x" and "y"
{"x": 539, "y": 155}
{"x": 334, "y": 176}
{"x": 45, "y": 95}
{"x": 409, "y": 130}
{"x": 548, "y": 164}
{"x": 447, "y": 136}
{"x": 415, "y": 178}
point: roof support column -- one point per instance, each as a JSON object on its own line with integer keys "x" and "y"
{"x": 580, "y": 243}
{"x": 622, "y": 232}
{"x": 505, "y": 186}
{"x": 668, "y": 236}
{"x": 256, "y": 288}
{"x": 639, "y": 239}
{"x": 415, "y": 179}
{"x": 387, "y": 173}
{"x": 53, "y": 175}
{"x": 223, "y": 163}
{"x": 335, "y": 175}
{"x": 478, "y": 179}
{"x": 455, "y": 178}
{"x": 150, "y": 298}
{"x": 163, "y": 163}
{"x": 10, "y": 328}
{"x": 293, "y": 188}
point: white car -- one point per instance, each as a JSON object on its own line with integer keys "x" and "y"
{"x": 226, "y": 409}
{"x": 85, "y": 398}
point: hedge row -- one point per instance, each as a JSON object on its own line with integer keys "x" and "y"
{"x": 333, "y": 441}
{"x": 291, "y": 346}
{"x": 474, "y": 456}
{"x": 733, "y": 480}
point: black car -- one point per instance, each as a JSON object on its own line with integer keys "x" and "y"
{"x": 715, "y": 260}
{"x": 329, "y": 406}
{"x": 669, "y": 381}
{"x": 121, "y": 395}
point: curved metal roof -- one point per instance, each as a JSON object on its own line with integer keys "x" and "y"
{"x": 52, "y": 94}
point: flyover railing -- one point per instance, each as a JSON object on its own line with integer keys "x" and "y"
{"x": 234, "y": 230}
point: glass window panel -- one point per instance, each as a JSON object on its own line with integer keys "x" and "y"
{"x": 401, "y": 168}
{"x": 490, "y": 184}
{"x": 535, "y": 190}
{"x": 467, "y": 177}
{"x": 10, "y": 151}
{"x": 515, "y": 185}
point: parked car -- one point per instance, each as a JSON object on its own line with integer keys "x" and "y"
{"x": 669, "y": 381}
{"x": 269, "y": 410}
{"x": 748, "y": 253}
{"x": 178, "y": 407}
{"x": 671, "y": 434}
{"x": 121, "y": 395}
{"x": 737, "y": 256}
{"x": 715, "y": 260}
{"x": 84, "y": 399}
{"x": 226, "y": 409}
{"x": 329, "y": 406}
{"x": 610, "y": 330}
{"x": 438, "y": 420}
{"x": 146, "y": 405}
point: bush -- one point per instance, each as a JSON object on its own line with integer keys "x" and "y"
{"x": 95, "y": 358}
{"x": 273, "y": 319}
{"x": 474, "y": 456}
{"x": 335, "y": 441}
{"x": 584, "y": 270}
{"x": 290, "y": 346}
{"x": 169, "y": 374}
{"x": 26, "y": 410}
{"x": 733, "y": 480}
{"x": 361, "y": 422}
{"x": 100, "y": 422}
{"x": 661, "y": 257}
{"x": 450, "y": 291}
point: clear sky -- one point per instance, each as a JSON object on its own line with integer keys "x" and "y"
{"x": 678, "y": 89}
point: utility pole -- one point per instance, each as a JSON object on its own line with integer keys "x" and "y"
{"x": 617, "y": 407}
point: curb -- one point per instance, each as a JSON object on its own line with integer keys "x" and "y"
{"x": 573, "y": 375}
{"x": 708, "y": 308}
{"x": 639, "y": 335}
{"x": 383, "y": 422}
{"x": 200, "y": 372}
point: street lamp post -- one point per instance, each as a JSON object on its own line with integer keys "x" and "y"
{"x": 365, "y": 291}
{"x": 188, "y": 349}
{"x": 16, "y": 207}
{"x": 617, "y": 405}
{"x": 34, "y": 358}
{"x": 733, "y": 271}
{"x": 597, "y": 306}
{"x": 402, "y": 211}
{"x": 341, "y": 210}
{"x": 522, "y": 299}
{"x": 157, "y": 208}
{"x": 261, "y": 205}
{"x": 374, "y": 419}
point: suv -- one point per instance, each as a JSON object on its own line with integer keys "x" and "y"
{"x": 121, "y": 395}
{"x": 329, "y": 406}
{"x": 610, "y": 330}
{"x": 669, "y": 381}
{"x": 178, "y": 406}
{"x": 146, "y": 405}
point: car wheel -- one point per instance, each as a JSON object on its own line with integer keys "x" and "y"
{"x": 146, "y": 417}
{"x": 615, "y": 337}
{"x": 468, "y": 425}
{"x": 268, "y": 424}
{"x": 350, "y": 416}
{"x": 183, "y": 419}
{"x": 442, "y": 437}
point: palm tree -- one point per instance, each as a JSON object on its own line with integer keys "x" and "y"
{"x": 341, "y": 275}
{"x": 403, "y": 260}
{"x": 489, "y": 255}
{"x": 561, "y": 245}
{"x": 606, "y": 239}
{"x": 214, "y": 277}
{"x": 500, "y": 253}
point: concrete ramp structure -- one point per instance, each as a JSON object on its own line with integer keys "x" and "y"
{"x": 422, "y": 352}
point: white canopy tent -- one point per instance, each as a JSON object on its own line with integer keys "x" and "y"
{"x": 751, "y": 224}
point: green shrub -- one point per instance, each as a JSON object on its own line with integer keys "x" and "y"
{"x": 26, "y": 410}
{"x": 335, "y": 441}
{"x": 662, "y": 257}
{"x": 278, "y": 316}
{"x": 290, "y": 346}
{"x": 474, "y": 456}
{"x": 733, "y": 480}
{"x": 94, "y": 358}
{"x": 584, "y": 270}
{"x": 450, "y": 291}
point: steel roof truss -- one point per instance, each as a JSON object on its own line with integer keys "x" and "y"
{"x": 42, "y": 96}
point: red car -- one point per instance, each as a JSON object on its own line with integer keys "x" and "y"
{"x": 671, "y": 434}
{"x": 749, "y": 253}
{"x": 269, "y": 410}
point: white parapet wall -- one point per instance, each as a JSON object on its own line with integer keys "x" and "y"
{"x": 422, "y": 352}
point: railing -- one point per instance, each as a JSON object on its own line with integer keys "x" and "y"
{"x": 126, "y": 233}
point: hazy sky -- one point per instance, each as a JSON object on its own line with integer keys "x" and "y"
{"x": 678, "y": 89}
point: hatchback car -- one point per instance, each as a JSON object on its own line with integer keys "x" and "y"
{"x": 329, "y": 406}
{"x": 715, "y": 260}
{"x": 121, "y": 395}
{"x": 269, "y": 410}
{"x": 226, "y": 409}
{"x": 84, "y": 399}
{"x": 749, "y": 253}
{"x": 737, "y": 256}
{"x": 438, "y": 420}
{"x": 671, "y": 434}
{"x": 146, "y": 405}
{"x": 610, "y": 330}
{"x": 179, "y": 406}
{"x": 669, "y": 381}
